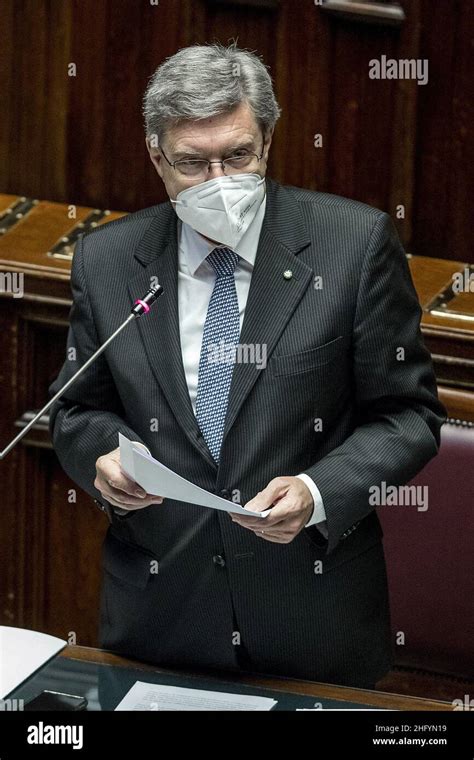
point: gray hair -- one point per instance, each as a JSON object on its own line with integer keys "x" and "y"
{"x": 202, "y": 81}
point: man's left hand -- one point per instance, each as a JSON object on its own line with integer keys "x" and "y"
{"x": 293, "y": 508}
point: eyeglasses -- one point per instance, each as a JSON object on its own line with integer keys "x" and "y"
{"x": 200, "y": 167}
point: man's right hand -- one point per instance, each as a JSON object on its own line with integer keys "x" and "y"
{"x": 120, "y": 490}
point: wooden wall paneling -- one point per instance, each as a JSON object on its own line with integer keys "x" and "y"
{"x": 80, "y": 139}
{"x": 458, "y": 402}
{"x": 125, "y": 138}
{"x": 252, "y": 27}
{"x": 461, "y": 168}
{"x": 301, "y": 74}
{"x": 10, "y": 580}
{"x": 193, "y": 25}
{"x": 267, "y": 4}
{"x": 375, "y": 118}
{"x": 361, "y": 113}
{"x": 7, "y": 64}
{"x": 433, "y": 149}
{"x": 89, "y": 155}
{"x": 29, "y": 501}
{"x": 50, "y": 559}
{"x": 72, "y": 562}
{"x": 28, "y": 78}
{"x": 441, "y": 169}
{"x": 37, "y": 36}
{"x": 403, "y": 128}
{"x": 56, "y": 100}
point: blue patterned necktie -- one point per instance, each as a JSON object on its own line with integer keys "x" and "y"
{"x": 216, "y": 363}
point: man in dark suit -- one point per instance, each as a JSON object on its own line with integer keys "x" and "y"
{"x": 329, "y": 392}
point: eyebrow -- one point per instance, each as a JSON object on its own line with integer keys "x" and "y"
{"x": 229, "y": 150}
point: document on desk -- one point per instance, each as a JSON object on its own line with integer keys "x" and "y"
{"x": 22, "y": 652}
{"x": 158, "y": 479}
{"x": 152, "y": 696}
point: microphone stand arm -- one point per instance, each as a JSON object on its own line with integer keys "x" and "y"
{"x": 142, "y": 306}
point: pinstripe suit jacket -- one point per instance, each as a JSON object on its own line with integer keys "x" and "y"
{"x": 222, "y": 597}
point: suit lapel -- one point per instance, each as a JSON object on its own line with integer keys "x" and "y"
{"x": 271, "y": 301}
{"x": 272, "y": 298}
{"x": 159, "y": 331}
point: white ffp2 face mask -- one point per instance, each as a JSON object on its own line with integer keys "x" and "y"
{"x": 223, "y": 208}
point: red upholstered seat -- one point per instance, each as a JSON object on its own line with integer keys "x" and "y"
{"x": 430, "y": 561}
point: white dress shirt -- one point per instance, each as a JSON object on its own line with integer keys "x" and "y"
{"x": 196, "y": 279}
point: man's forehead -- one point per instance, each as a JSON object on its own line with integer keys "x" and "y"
{"x": 226, "y": 142}
{"x": 223, "y": 131}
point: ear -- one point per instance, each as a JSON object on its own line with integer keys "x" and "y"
{"x": 267, "y": 143}
{"x": 155, "y": 155}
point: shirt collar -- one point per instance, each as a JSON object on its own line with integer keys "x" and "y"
{"x": 194, "y": 248}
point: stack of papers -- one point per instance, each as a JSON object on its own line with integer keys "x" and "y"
{"x": 150, "y": 696}
{"x": 22, "y": 652}
{"x": 158, "y": 479}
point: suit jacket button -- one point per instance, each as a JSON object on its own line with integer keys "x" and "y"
{"x": 218, "y": 559}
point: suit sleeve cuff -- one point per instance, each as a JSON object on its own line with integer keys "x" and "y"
{"x": 318, "y": 517}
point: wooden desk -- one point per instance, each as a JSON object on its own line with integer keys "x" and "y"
{"x": 287, "y": 685}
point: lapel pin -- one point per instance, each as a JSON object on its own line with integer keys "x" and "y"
{"x": 287, "y": 274}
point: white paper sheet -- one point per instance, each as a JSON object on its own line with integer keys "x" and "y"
{"x": 22, "y": 652}
{"x": 158, "y": 479}
{"x": 150, "y": 696}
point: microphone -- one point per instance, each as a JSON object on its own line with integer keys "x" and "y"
{"x": 140, "y": 307}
